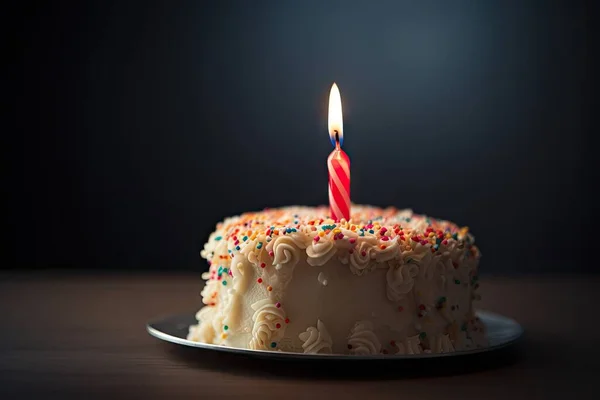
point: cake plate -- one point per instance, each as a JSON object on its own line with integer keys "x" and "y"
{"x": 501, "y": 331}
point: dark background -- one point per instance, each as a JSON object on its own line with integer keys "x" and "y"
{"x": 139, "y": 125}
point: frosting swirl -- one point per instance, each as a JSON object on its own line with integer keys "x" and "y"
{"x": 400, "y": 281}
{"x": 316, "y": 340}
{"x": 320, "y": 252}
{"x": 360, "y": 260}
{"x": 269, "y": 322}
{"x": 410, "y": 345}
{"x": 363, "y": 340}
{"x": 286, "y": 251}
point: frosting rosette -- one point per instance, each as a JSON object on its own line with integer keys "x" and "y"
{"x": 316, "y": 340}
{"x": 269, "y": 322}
{"x": 400, "y": 281}
{"x": 362, "y": 340}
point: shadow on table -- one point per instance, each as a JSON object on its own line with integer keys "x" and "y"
{"x": 349, "y": 369}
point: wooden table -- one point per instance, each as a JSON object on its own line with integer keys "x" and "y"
{"x": 83, "y": 335}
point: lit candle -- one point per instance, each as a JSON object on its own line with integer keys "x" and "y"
{"x": 338, "y": 162}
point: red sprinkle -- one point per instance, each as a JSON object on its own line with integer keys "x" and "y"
{"x": 317, "y": 238}
{"x": 400, "y": 308}
{"x": 363, "y": 253}
{"x": 271, "y": 254}
{"x": 385, "y": 238}
{"x": 277, "y": 326}
{"x": 392, "y": 343}
{"x": 351, "y": 251}
{"x": 352, "y": 241}
{"x": 262, "y": 265}
{"x": 424, "y": 242}
{"x": 383, "y": 230}
{"x": 287, "y": 320}
{"x": 445, "y": 242}
{"x": 341, "y": 236}
{"x": 415, "y": 238}
{"x": 259, "y": 280}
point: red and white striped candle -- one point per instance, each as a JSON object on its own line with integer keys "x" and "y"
{"x": 338, "y": 163}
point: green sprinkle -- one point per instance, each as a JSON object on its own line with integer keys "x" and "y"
{"x": 455, "y": 236}
{"x": 218, "y": 238}
{"x": 259, "y": 245}
{"x": 245, "y": 238}
{"x": 457, "y": 281}
{"x": 422, "y": 335}
{"x": 224, "y": 283}
{"x": 225, "y": 327}
{"x": 273, "y": 344}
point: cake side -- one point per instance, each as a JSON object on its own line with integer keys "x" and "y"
{"x": 387, "y": 281}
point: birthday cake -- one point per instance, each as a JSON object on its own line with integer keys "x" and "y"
{"x": 386, "y": 282}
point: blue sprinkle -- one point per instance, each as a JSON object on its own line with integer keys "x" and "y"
{"x": 371, "y": 231}
{"x": 237, "y": 247}
{"x": 289, "y": 230}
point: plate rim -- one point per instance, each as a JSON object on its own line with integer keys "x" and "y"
{"x": 166, "y": 337}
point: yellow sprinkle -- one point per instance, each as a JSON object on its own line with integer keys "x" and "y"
{"x": 321, "y": 233}
{"x": 336, "y": 231}
{"x": 431, "y": 234}
{"x": 448, "y": 236}
{"x": 224, "y": 336}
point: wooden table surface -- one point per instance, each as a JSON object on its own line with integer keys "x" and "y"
{"x": 83, "y": 336}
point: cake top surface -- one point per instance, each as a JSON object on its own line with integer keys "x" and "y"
{"x": 380, "y": 227}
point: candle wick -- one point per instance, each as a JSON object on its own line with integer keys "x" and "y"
{"x": 337, "y": 136}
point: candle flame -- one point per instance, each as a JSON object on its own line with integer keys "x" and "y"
{"x": 335, "y": 122}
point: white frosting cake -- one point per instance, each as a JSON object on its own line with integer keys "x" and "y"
{"x": 386, "y": 282}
